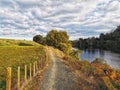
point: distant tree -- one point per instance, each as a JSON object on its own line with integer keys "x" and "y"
{"x": 108, "y": 41}
{"x": 39, "y": 39}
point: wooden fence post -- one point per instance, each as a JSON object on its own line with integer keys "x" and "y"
{"x": 41, "y": 63}
{"x": 30, "y": 72}
{"x": 8, "y": 82}
{"x": 36, "y": 66}
{"x": 25, "y": 73}
{"x": 34, "y": 69}
{"x": 18, "y": 82}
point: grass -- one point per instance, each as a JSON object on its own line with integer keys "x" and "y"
{"x": 108, "y": 83}
{"x": 11, "y": 42}
{"x": 14, "y": 53}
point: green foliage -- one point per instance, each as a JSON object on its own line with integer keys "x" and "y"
{"x": 54, "y": 38}
{"x": 51, "y": 38}
{"x": 65, "y": 47}
{"x": 75, "y": 54}
{"x": 39, "y": 39}
{"x": 59, "y": 39}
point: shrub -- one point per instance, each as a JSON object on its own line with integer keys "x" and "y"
{"x": 75, "y": 54}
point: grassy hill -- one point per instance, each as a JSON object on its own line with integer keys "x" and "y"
{"x": 11, "y": 42}
{"x": 14, "y": 53}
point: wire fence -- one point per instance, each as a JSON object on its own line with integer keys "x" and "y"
{"x": 24, "y": 74}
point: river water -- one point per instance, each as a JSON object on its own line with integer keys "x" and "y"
{"x": 111, "y": 58}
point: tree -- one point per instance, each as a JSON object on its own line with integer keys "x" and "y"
{"x": 51, "y": 38}
{"x": 59, "y": 39}
{"x": 54, "y": 38}
{"x": 39, "y": 39}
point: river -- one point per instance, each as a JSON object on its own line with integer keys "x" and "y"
{"x": 111, "y": 58}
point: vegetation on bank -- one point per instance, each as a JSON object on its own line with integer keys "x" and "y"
{"x": 109, "y": 41}
{"x": 13, "y": 54}
{"x": 96, "y": 75}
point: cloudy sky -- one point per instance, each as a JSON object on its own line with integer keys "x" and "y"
{"x": 22, "y": 19}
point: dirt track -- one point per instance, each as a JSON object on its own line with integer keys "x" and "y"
{"x": 58, "y": 76}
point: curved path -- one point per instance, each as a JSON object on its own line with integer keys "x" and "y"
{"x": 58, "y": 76}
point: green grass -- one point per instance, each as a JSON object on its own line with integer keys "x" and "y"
{"x": 12, "y": 54}
{"x": 11, "y": 42}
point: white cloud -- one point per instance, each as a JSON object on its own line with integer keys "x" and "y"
{"x": 80, "y": 18}
{"x": 103, "y": 30}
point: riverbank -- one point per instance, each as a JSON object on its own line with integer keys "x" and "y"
{"x": 95, "y": 75}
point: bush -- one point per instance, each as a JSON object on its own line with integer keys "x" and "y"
{"x": 86, "y": 67}
{"x": 99, "y": 60}
{"x": 65, "y": 47}
{"x": 75, "y": 54}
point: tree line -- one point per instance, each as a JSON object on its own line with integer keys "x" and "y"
{"x": 109, "y": 41}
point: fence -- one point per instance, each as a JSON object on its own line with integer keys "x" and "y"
{"x": 29, "y": 72}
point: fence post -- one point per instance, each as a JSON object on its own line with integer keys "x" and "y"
{"x": 25, "y": 73}
{"x": 34, "y": 69}
{"x": 18, "y": 78}
{"x": 8, "y": 82}
{"x": 41, "y": 63}
{"x": 36, "y": 66}
{"x": 30, "y": 72}
{"x": 46, "y": 56}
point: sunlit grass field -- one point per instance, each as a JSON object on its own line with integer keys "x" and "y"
{"x": 10, "y": 42}
{"x": 17, "y": 53}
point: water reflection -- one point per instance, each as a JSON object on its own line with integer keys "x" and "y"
{"x": 113, "y": 59}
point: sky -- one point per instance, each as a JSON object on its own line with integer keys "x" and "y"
{"x": 23, "y": 19}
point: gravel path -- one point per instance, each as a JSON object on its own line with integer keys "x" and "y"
{"x": 58, "y": 77}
